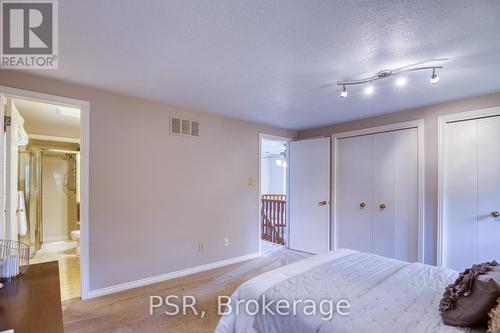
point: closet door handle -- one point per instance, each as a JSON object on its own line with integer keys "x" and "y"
{"x": 362, "y": 205}
{"x": 495, "y": 213}
{"x": 382, "y": 206}
{"x": 322, "y": 203}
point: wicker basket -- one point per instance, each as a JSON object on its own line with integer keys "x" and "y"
{"x": 14, "y": 259}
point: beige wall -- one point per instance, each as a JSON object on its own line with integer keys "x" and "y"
{"x": 430, "y": 115}
{"x": 154, "y": 196}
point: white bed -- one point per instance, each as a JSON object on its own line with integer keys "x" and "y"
{"x": 385, "y": 295}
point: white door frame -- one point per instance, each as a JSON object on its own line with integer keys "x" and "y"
{"x": 84, "y": 165}
{"x": 419, "y": 125}
{"x": 3, "y": 227}
{"x": 277, "y": 138}
{"x": 442, "y": 122}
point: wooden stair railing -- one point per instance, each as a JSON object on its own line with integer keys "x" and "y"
{"x": 273, "y": 218}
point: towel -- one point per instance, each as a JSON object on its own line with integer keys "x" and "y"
{"x": 21, "y": 214}
{"x": 22, "y": 136}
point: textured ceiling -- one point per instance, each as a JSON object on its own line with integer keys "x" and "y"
{"x": 274, "y": 61}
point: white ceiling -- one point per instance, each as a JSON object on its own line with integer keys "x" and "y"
{"x": 43, "y": 118}
{"x": 273, "y": 61}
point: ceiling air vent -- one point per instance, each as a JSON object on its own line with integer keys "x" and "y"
{"x": 184, "y": 127}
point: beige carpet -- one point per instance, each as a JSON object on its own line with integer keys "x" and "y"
{"x": 128, "y": 311}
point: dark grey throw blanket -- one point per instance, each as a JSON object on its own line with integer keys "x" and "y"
{"x": 463, "y": 285}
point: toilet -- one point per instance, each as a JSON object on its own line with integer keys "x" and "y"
{"x": 75, "y": 235}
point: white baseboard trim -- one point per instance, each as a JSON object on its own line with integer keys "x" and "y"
{"x": 168, "y": 276}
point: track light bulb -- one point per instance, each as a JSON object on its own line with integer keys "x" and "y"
{"x": 401, "y": 81}
{"x": 434, "y": 77}
{"x": 369, "y": 89}
{"x": 343, "y": 93}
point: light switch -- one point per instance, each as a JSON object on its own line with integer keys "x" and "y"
{"x": 250, "y": 181}
{"x": 226, "y": 242}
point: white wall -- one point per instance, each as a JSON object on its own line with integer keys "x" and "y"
{"x": 272, "y": 177}
{"x": 155, "y": 196}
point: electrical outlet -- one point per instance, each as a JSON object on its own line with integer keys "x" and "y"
{"x": 200, "y": 247}
{"x": 226, "y": 242}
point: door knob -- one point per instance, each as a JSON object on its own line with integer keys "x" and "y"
{"x": 495, "y": 213}
{"x": 362, "y": 205}
{"x": 382, "y": 206}
{"x": 322, "y": 203}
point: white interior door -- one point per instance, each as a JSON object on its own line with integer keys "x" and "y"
{"x": 353, "y": 202}
{"x": 12, "y": 161}
{"x": 488, "y": 135}
{"x": 383, "y": 194}
{"x": 471, "y": 197}
{"x": 460, "y": 194}
{"x": 309, "y": 195}
{"x": 395, "y": 193}
{"x": 405, "y": 202}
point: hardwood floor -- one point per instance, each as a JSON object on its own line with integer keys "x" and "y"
{"x": 128, "y": 311}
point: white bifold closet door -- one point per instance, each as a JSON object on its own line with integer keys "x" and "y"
{"x": 354, "y": 187}
{"x": 471, "y": 198}
{"x": 377, "y": 194}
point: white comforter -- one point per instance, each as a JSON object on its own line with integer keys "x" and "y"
{"x": 385, "y": 295}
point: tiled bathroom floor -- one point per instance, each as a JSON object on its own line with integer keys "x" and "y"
{"x": 69, "y": 265}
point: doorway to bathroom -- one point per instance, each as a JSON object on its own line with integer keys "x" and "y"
{"x": 44, "y": 203}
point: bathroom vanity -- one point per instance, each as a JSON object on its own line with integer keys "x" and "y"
{"x": 32, "y": 303}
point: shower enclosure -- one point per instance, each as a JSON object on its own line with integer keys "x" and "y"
{"x": 49, "y": 174}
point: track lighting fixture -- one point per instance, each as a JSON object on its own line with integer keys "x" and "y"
{"x": 401, "y": 81}
{"x": 343, "y": 93}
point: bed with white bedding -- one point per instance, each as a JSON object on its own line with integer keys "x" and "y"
{"x": 385, "y": 295}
